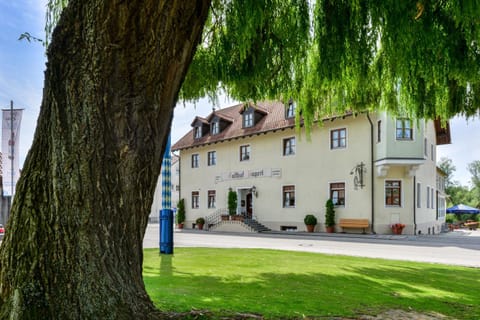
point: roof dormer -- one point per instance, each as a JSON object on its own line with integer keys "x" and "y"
{"x": 200, "y": 127}
{"x": 251, "y": 115}
{"x": 290, "y": 110}
{"x": 218, "y": 123}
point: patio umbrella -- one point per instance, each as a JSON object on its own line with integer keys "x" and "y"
{"x": 461, "y": 209}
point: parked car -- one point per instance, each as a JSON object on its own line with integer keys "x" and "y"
{"x": 2, "y": 231}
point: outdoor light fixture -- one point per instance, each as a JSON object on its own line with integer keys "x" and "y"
{"x": 254, "y": 191}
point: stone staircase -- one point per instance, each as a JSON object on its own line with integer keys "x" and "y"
{"x": 255, "y": 225}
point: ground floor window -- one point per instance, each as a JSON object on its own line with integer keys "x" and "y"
{"x": 288, "y": 196}
{"x": 337, "y": 193}
{"x": 211, "y": 199}
{"x": 195, "y": 199}
{"x": 393, "y": 191}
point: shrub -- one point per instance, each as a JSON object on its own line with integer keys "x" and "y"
{"x": 181, "y": 211}
{"x": 200, "y": 220}
{"x": 310, "y": 220}
{"x": 329, "y": 213}
{"x": 232, "y": 202}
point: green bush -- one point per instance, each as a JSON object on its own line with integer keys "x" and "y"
{"x": 232, "y": 202}
{"x": 310, "y": 220}
{"x": 329, "y": 213}
{"x": 200, "y": 220}
{"x": 181, "y": 211}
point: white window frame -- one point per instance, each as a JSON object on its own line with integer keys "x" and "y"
{"x": 292, "y": 148}
{"x": 385, "y": 194}
{"x": 212, "y": 158}
{"x": 247, "y": 154}
{"x": 337, "y": 189}
{"x": 339, "y": 139}
{"x": 196, "y": 163}
{"x": 404, "y": 129}
{"x": 284, "y": 199}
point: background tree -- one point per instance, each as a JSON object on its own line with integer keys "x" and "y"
{"x": 73, "y": 247}
{"x": 446, "y": 165}
{"x": 474, "y": 169}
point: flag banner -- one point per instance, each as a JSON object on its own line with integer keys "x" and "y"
{"x": 10, "y": 149}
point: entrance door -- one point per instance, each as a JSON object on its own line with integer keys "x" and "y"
{"x": 248, "y": 198}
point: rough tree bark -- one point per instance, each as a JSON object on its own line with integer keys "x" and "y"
{"x": 73, "y": 248}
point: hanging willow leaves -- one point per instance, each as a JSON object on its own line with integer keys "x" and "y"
{"x": 416, "y": 58}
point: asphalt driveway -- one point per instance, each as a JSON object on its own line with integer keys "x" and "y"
{"x": 455, "y": 248}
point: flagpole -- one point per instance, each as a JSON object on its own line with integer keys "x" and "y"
{"x": 12, "y": 146}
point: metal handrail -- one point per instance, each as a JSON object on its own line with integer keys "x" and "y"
{"x": 215, "y": 217}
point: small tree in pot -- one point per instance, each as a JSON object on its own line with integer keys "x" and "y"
{"x": 200, "y": 222}
{"x": 310, "y": 221}
{"x": 232, "y": 202}
{"x": 330, "y": 216}
{"x": 180, "y": 213}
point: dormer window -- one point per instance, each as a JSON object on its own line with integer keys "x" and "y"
{"x": 248, "y": 119}
{"x": 198, "y": 132}
{"x": 290, "y": 110}
{"x": 215, "y": 127}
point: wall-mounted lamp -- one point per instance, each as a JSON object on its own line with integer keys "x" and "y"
{"x": 254, "y": 191}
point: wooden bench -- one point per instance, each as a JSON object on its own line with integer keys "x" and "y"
{"x": 354, "y": 223}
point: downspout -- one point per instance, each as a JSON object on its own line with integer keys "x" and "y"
{"x": 372, "y": 173}
{"x": 415, "y": 205}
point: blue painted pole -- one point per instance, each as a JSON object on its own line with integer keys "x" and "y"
{"x": 166, "y": 214}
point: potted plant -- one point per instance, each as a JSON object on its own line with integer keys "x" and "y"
{"x": 180, "y": 213}
{"x": 200, "y": 222}
{"x": 330, "y": 216}
{"x": 310, "y": 221}
{"x": 232, "y": 202}
{"x": 397, "y": 228}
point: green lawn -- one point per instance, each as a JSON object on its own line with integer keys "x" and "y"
{"x": 296, "y": 284}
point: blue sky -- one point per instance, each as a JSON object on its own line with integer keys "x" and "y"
{"x": 22, "y": 66}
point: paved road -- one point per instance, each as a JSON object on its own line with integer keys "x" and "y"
{"x": 458, "y": 248}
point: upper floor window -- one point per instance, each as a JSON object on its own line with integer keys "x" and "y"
{"x": 289, "y": 146}
{"x": 288, "y": 196}
{"x": 215, "y": 127}
{"x": 290, "y": 110}
{"x": 404, "y": 129}
{"x": 338, "y": 138}
{"x": 245, "y": 153}
{"x": 211, "y": 199}
{"x": 393, "y": 191}
{"x": 195, "y": 158}
{"x": 247, "y": 119}
{"x": 195, "y": 199}
{"x": 212, "y": 158}
{"x": 198, "y": 132}
{"x": 337, "y": 193}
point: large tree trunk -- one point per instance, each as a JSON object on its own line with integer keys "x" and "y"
{"x": 73, "y": 247}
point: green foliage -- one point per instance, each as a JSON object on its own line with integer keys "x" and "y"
{"x": 446, "y": 165}
{"x": 181, "y": 211}
{"x": 200, "y": 220}
{"x": 329, "y": 213}
{"x": 301, "y": 285}
{"x": 310, "y": 220}
{"x": 451, "y": 218}
{"x": 419, "y": 59}
{"x": 232, "y": 202}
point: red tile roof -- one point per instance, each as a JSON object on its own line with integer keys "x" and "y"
{"x": 273, "y": 119}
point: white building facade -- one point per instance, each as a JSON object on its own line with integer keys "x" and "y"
{"x": 372, "y": 166}
{"x": 175, "y": 191}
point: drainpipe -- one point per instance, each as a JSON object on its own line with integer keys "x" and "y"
{"x": 372, "y": 172}
{"x": 415, "y": 205}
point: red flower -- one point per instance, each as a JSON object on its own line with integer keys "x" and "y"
{"x": 397, "y": 226}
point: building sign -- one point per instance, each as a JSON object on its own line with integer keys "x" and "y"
{"x": 243, "y": 174}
